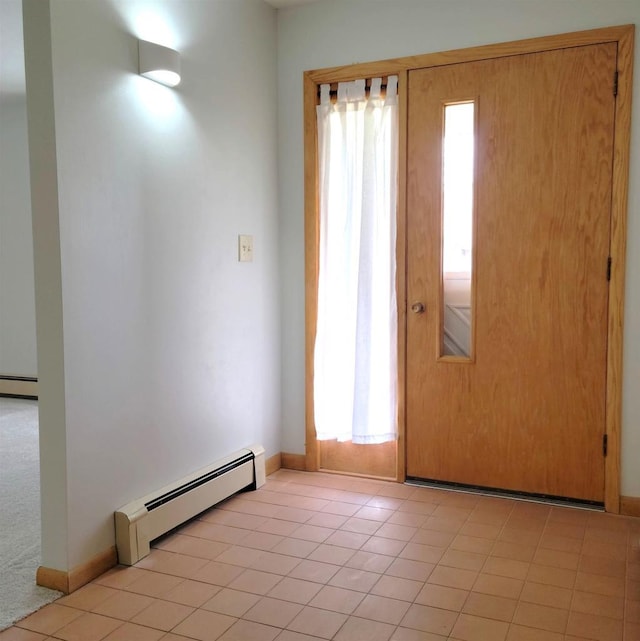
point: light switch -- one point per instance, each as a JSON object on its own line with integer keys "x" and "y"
{"x": 245, "y": 248}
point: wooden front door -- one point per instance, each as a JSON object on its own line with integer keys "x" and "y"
{"x": 526, "y": 410}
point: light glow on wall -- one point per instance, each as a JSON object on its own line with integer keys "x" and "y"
{"x": 147, "y": 23}
{"x": 158, "y": 101}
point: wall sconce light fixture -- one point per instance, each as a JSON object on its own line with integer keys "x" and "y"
{"x": 159, "y": 63}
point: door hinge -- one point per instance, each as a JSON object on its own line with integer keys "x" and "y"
{"x": 615, "y": 83}
{"x": 609, "y": 268}
{"x": 605, "y": 438}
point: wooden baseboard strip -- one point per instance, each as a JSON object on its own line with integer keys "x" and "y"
{"x": 53, "y": 579}
{"x": 630, "y": 505}
{"x": 273, "y": 464}
{"x": 69, "y": 582}
{"x": 18, "y": 387}
{"x": 294, "y": 461}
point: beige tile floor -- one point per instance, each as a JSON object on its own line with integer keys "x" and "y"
{"x": 319, "y": 556}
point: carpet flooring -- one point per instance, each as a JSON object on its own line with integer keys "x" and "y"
{"x": 19, "y": 512}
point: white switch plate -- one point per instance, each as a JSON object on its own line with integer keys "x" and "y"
{"x": 245, "y": 248}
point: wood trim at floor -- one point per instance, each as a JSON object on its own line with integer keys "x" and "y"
{"x": 273, "y": 464}
{"x": 82, "y": 574}
{"x": 294, "y": 461}
{"x": 19, "y": 386}
{"x": 374, "y": 461}
{"x": 630, "y": 505}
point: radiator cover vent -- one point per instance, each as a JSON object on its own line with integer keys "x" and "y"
{"x": 141, "y": 521}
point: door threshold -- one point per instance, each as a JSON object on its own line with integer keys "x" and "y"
{"x": 558, "y": 501}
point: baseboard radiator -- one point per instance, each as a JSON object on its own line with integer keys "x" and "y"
{"x": 18, "y": 386}
{"x": 141, "y": 521}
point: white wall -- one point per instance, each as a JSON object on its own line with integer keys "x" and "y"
{"x": 170, "y": 345}
{"x": 17, "y": 303}
{"x": 342, "y": 32}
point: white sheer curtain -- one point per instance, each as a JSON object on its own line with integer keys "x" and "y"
{"x": 355, "y": 358}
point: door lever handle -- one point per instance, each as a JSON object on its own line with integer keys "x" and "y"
{"x": 418, "y": 308}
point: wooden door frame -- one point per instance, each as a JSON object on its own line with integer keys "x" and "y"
{"x": 624, "y": 37}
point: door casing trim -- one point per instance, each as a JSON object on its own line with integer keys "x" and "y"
{"x": 624, "y": 37}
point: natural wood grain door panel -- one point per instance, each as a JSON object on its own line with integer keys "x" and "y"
{"x": 527, "y": 413}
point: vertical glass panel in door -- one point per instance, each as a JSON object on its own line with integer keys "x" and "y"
{"x": 457, "y": 230}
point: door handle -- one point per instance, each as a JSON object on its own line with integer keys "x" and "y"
{"x": 418, "y": 308}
